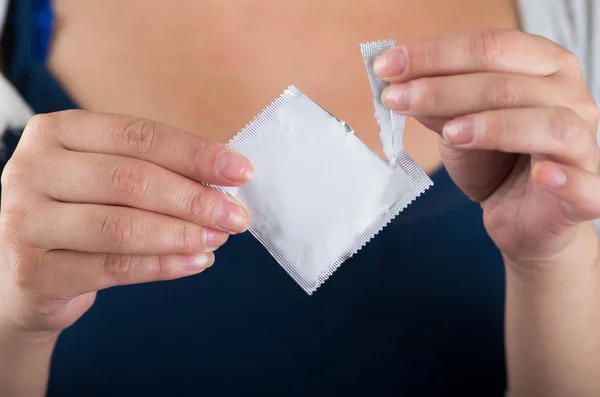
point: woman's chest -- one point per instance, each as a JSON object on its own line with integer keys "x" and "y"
{"x": 210, "y": 66}
{"x": 418, "y": 311}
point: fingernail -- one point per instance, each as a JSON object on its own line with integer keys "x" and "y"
{"x": 234, "y": 166}
{"x": 231, "y": 217}
{"x": 458, "y": 132}
{"x": 550, "y": 176}
{"x": 213, "y": 239}
{"x": 196, "y": 263}
{"x": 397, "y": 97}
{"x": 391, "y": 64}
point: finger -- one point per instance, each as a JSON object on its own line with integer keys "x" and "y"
{"x": 580, "y": 190}
{"x": 105, "y": 179}
{"x": 432, "y": 123}
{"x": 181, "y": 152}
{"x": 474, "y": 51}
{"x": 121, "y": 230}
{"x": 558, "y": 133}
{"x": 71, "y": 273}
{"x": 452, "y": 96}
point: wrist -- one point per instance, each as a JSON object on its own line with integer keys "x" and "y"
{"x": 25, "y": 358}
{"x": 580, "y": 249}
{"x": 576, "y": 264}
{"x": 13, "y": 335}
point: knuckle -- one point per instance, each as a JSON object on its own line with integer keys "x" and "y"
{"x": 23, "y": 171}
{"x": 40, "y": 125}
{"x": 118, "y": 229}
{"x": 190, "y": 237}
{"x": 430, "y": 59}
{"x": 12, "y": 174}
{"x": 24, "y": 268}
{"x": 120, "y": 267}
{"x": 505, "y": 92}
{"x": 138, "y": 136}
{"x": 487, "y": 46}
{"x": 569, "y": 60}
{"x": 166, "y": 268}
{"x": 16, "y": 218}
{"x": 197, "y": 205}
{"x": 130, "y": 180}
{"x": 11, "y": 219}
{"x": 565, "y": 125}
{"x": 425, "y": 96}
{"x": 199, "y": 152}
{"x": 571, "y": 135}
{"x": 489, "y": 128}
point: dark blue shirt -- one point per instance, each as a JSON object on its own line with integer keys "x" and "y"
{"x": 417, "y": 312}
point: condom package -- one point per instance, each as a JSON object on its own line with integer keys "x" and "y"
{"x": 319, "y": 194}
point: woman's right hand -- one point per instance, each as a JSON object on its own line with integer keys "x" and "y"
{"x": 91, "y": 201}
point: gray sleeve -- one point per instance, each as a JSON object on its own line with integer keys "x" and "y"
{"x": 574, "y": 24}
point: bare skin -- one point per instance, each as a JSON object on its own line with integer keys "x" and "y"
{"x": 209, "y": 67}
{"x": 232, "y": 60}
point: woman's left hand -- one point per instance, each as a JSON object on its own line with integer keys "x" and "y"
{"x": 519, "y": 134}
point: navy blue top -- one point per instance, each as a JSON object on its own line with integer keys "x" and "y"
{"x": 417, "y": 312}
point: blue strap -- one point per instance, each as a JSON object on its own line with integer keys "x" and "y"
{"x": 44, "y": 25}
{"x": 26, "y": 64}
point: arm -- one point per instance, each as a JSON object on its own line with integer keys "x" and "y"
{"x": 519, "y": 136}
{"x": 553, "y": 325}
{"x": 24, "y": 362}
